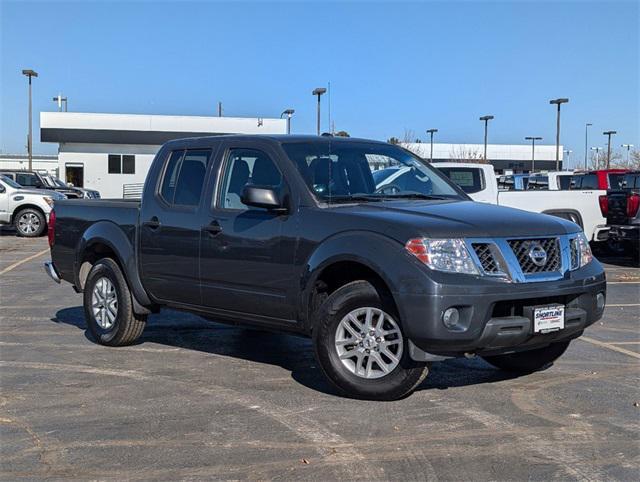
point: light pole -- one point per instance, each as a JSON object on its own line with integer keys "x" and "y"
{"x": 30, "y": 73}
{"x": 59, "y": 99}
{"x": 533, "y": 150}
{"x": 431, "y": 132}
{"x": 558, "y": 102}
{"x": 568, "y": 153}
{"x": 597, "y": 149}
{"x": 288, "y": 113}
{"x": 318, "y": 91}
{"x": 486, "y": 119}
{"x": 609, "y": 134}
{"x": 628, "y": 148}
{"x": 586, "y": 142}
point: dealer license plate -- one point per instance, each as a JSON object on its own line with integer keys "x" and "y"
{"x": 548, "y": 318}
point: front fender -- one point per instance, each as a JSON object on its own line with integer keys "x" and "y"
{"x": 113, "y": 236}
{"x": 383, "y": 255}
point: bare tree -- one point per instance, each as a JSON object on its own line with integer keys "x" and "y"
{"x": 467, "y": 154}
{"x": 408, "y": 136}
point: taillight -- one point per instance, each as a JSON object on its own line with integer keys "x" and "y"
{"x": 604, "y": 204}
{"x": 633, "y": 203}
{"x": 51, "y": 231}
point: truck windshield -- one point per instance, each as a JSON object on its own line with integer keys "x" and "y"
{"x": 351, "y": 171}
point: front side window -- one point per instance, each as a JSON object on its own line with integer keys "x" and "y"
{"x": 184, "y": 176}
{"x": 337, "y": 171}
{"x": 27, "y": 180}
{"x": 469, "y": 180}
{"x": 247, "y": 167}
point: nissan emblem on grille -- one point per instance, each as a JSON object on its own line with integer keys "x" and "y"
{"x": 537, "y": 254}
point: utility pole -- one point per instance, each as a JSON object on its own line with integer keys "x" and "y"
{"x": 533, "y": 150}
{"x": 431, "y": 132}
{"x": 289, "y": 113}
{"x": 486, "y": 119}
{"x": 558, "y": 102}
{"x": 609, "y": 134}
{"x": 318, "y": 92}
{"x": 30, "y": 73}
{"x": 219, "y": 109}
{"x": 586, "y": 142}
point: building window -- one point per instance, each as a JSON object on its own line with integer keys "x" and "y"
{"x": 122, "y": 164}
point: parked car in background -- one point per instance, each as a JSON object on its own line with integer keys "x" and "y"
{"x": 512, "y": 182}
{"x": 602, "y": 179}
{"x": 581, "y": 207}
{"x": 34, "y": 180}
{"x": 293, "y": 233}
{"x": 56, "y": 183}
{"x": 621, "y": 207}
{"x": 26, "y": 209}
{"x": 551, "y": 180}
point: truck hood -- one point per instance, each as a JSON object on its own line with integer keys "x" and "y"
{"x": 39, "y": 192}
{"x": 457, "y": 219}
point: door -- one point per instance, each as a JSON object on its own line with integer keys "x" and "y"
{"x": 170, "y": 229}
{"x": 245, "y": 266}
{"x": 74, "y": 174}
{"x": 4, "y": 204}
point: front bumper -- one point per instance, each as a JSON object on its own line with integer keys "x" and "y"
{"x": 497, "y": 317}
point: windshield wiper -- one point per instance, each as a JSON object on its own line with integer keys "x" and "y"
{"x": 354, "y": 198}
{"x": 415, "y": 195}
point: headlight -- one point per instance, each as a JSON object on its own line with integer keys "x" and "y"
{"x": 583, "y": 253}
{"x": 450, "y": 255}
{"x": 48, "y": 200}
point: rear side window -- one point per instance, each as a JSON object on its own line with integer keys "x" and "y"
{"x": 469, "y": 180}
{"x": 184, "y": 176}
{"x": 584, "y": 181}
{"x": 27, "y": 180}
{"x": 564, "y": 182}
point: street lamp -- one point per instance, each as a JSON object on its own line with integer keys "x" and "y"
{"x": 628, "y": 148}
{"x": 486, "y": 119}
{"x": 30, "y": 73}
{"x": 288, "y": 113}
{"x": 533, "y": 150}
{"x": 558, "y": 102}
{"x": 59, "y": 99}
{"x": 568, "y": 153}
{"x": 609, "y": 134}
{"x": 431, "y": 132}
{"x": 318, "y": 91}
{"x": 597, "y": 149}
{"x": 586, "y": 142}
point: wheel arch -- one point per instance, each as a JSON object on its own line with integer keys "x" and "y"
{"x": 572, "y": 215}
{"x": 105, "y": 239}
{"x": 28, "y": 206}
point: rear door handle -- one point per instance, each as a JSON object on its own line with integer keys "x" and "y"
{"x": 153, "y": 223}
{"x": 213, "y": 228}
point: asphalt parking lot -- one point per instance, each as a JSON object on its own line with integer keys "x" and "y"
{"x": 199, "y": 400}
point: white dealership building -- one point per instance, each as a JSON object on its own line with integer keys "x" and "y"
{"x": 113, "y": 152}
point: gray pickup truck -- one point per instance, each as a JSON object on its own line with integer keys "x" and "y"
{"x": 292, "y": 233}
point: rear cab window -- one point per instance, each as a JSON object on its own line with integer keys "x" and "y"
{"x": 470, "y": 180}
{"x": 183, "y": 177}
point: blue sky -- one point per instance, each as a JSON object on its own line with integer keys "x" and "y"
{"x": 392, "y": 66}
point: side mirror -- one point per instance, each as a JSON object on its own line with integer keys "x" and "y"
{"x": 262, "y": 197}
{"x": 2, "y": 189}
{"x": 69, "y": 184}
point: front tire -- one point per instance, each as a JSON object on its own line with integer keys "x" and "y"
{"x": 529, "y": 361}
{"x": 108, "y": 307}
{"x": 30, "y": 223}
{"x": 360, "y": 346}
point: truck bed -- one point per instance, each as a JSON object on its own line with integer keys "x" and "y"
{"x": 75, "y": 217}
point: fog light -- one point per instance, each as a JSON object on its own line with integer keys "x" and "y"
{"x": 450, "y": 318}
{"x": 600, "y": 299}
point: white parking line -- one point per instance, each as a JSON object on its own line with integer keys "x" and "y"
{"x": 25, "y": 260}
{"x": 610, "y": 347}
{"x": 623, "y": 282}
{"x": 618, "y": 305}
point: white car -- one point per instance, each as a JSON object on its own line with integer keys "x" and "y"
{"x": 582, "y": 207}
{"x": 28, "y": 210}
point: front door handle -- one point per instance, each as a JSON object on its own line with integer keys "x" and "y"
{"x": 213, "y": 228}
{"x": 153, "y": 223}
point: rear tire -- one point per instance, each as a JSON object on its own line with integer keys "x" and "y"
{"x": 529, "y": 361}
{"x": 380, "y": 367}
{"x": 108, "y": 307}
{"x": 30, "y": 223}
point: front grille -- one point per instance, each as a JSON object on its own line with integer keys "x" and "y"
{"x": 523, "y": 249}
{"x": 486, "y": 257}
